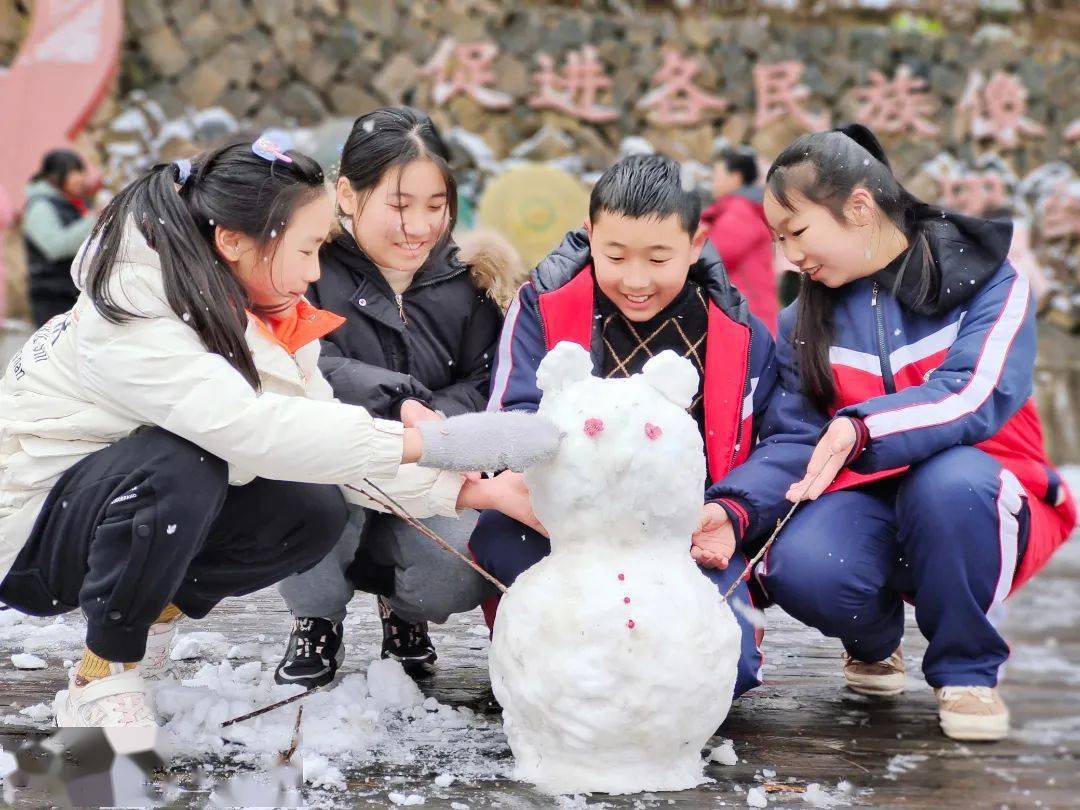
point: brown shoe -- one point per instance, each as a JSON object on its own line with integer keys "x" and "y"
{"x": 878, "y": 678}
{"x": 972, "y": 713}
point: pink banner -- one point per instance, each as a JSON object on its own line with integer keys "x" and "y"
{"x": 60, "y": 75}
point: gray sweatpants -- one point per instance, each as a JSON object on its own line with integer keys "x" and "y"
{"x": 381, "y": 554}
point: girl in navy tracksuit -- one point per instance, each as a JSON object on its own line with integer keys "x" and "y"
{"x": 904, "y": 414}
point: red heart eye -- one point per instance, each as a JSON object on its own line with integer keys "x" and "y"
{"x": 593, "y": 427}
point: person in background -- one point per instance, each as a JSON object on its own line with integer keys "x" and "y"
{"x": 738, "y": 230}
{"x": 55, "y": 222}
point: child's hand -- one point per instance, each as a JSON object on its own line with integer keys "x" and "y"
{"x": 714, "y": 541}
{"x": 413, "y": 412}
{"x": 825, "y": 464}
{"x": 506, "y": 493}
{"x": 513, "y": 499}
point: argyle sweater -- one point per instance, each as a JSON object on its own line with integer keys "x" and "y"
{"x": 681, "y": 326}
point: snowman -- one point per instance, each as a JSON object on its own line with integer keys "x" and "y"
{"x": 614, "y": 658}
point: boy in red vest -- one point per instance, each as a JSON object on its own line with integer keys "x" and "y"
{"x": 639, "y": 279}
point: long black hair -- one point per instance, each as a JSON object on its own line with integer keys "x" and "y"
{"x": 825, "y": 168}
{"x": 57, "y": 164}
{"x": 230, "y": 187}
{"x": 391, "y": 137}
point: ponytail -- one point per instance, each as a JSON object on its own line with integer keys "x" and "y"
{"x": 865, "y": 138}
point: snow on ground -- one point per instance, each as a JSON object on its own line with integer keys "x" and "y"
{"x": 903, "y": 763}
{"x": 54, "y": 640}
{"x": 28, "y": 661}
{"x": 377, "y": 718}
{"x": 373, "y": 720}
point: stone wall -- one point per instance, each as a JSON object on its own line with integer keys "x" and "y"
{"x": 302, "y": 61}
{"x": 193, "y": 70}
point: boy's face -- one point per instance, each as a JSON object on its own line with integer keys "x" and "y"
{"x": 641, "y": 264}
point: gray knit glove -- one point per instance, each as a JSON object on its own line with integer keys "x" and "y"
{"x": 503, "y": 440}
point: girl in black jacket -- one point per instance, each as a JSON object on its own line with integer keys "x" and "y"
{"x": 418, "y": 342}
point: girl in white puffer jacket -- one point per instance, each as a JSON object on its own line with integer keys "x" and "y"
{"x": 170, "y": 441}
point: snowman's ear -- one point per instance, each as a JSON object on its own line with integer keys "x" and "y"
{"x": 565, "y": 364}
{"x": 673, "y": 376}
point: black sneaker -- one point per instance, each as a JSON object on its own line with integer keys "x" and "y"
{"x": 314, "y": 654}
{"x": 406, "y": 642}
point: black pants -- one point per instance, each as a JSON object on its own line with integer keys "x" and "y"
{"x": 152, "y": 520}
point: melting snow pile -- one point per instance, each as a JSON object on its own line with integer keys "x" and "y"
{"x": 381, "y": 717}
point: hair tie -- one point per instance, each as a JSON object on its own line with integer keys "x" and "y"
{"x": 183, "y": 170}
{"x": 268, "y": 150}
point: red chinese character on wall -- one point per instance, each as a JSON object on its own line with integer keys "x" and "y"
{"x": 779, "y": 94}
{"x": 1072, "y": 132}
{"x": 974, "y": 194}
{"x": 1061, "y": 212}
{"x": 458, "y": 69}
{"x": 675, "y": 99}
{"x": 577, "y": 89}
{"x": 998, "y": 109}
{"x": 898, "y": 106}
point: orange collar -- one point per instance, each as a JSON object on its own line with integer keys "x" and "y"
{"x": 294, "y": 329}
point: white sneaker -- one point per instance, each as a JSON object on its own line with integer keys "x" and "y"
{"x": 972, "y": 713}
{"x": 118, "y": 703}
{"x": 156, "y": 661}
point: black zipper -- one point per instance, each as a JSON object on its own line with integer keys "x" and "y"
{"x": 883, "y": 351}
{"x": 427, "y": 282}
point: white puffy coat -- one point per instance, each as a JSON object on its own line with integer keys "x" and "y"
{"x": 82, "y": 383}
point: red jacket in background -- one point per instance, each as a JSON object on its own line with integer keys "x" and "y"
{"x": 738, "y": 230}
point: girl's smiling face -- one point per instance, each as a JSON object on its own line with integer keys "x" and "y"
{"x": 400, "y": 220}
{"x": 277, "y": 275}
{"x": 819, "y": 244}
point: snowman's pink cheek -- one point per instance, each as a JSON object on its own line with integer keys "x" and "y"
{"x": 653, "y": 432}
{"x": 593, "y": 427}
